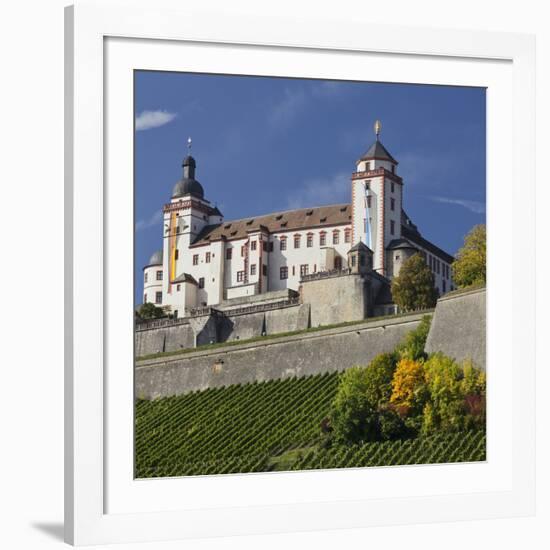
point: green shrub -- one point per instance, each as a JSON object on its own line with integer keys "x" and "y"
{"x": 456, "y": 395}
{"x": 412, "y": 346}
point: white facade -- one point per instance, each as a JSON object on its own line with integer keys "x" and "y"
{"x": 206, "y": 260}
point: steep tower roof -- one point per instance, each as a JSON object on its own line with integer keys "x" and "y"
{"x": 379, "y": 152}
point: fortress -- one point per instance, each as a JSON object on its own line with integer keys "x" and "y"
{"x": 220, "y": 280}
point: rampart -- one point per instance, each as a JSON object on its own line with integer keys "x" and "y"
{"x": 309, "y": 352}
{"x": 458, "y": 326}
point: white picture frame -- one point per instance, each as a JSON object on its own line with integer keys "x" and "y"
{"x": 103, "y": 503}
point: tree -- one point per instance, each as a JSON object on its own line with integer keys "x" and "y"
{"x": 360, "y": 411}
{"x": 414, "y": 287}
{"x": 456, "y": 395}
{"x": 409, "y": 388}
{"x": 469, "y": 268}
{"x": 150, "y": 311}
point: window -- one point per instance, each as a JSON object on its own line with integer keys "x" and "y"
{"x": 438, "y": 267}
{"x": 242, "y": 251}
{"x": 271, "y": 246}
{"x": 335, "y": 237}
{"x": 175, "y": 314}
{"x": 228, "y": 253}
{"x": 392, "y": 204}
{"x": 367, "y": 166}
{"x": 293, "y": 270}
{"x": 393, "y": 168}
{"x": 392, "y": 187}
{"x": 367, "y": 184}
{"x": 159, "y": 275}
{"x": 195, "y": 259}
{"x": 369, "y": 201}
{"x": 347, "y": 236}
{"x": 309, "y": 242}
{"x": 392, "y": 227}
{"x": 158, "y": 297}
{"x": 201, "y": 282}
{"x": 207, "y": 258}
{"x": 353, "y": 260}
{"x": 264, "y": 246}
{"x": 264, "y": 270}
{"x": 444, "y": 285}
{"x": 323, "y": 239}
{"x": 283, "y": 243}
{"x": 283, "y": 272}
{"x": 296, "y": 241}
{"x": 240, "y": 276}
{"x": 253, "y": 245}
{"x": 304, "y": 270}
{"x": 176, "y": 254}
{"x": 145, "y": 278}
{"x": 178, "y": 287}
{"x": 145, "y": 298}
{"x": 252, "y": 269}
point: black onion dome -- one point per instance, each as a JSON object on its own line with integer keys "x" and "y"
{"x": 188, "y": 185}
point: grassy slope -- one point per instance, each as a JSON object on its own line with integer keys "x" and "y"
{"x": 267, "y": 426}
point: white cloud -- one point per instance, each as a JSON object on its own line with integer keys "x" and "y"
{"x": 473, "y": 206}
{"x": 320, "y": 191}
{"x": 284, "y": 112}
{"x": 328, "y": 89}
{"x": 154, "y": 220}
{"x": 153, "y": 119}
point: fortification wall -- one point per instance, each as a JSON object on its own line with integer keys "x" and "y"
{"x": 335, "y": 299}
{"x": 157, "y": 340}
{"x": 206, "y": 329}
{"x": 299, "y": 355}
{"x": 287, "y": 319}
{"x": 458, "y": 326}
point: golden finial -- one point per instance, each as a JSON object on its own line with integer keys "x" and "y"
{"x": 377, "y": 128}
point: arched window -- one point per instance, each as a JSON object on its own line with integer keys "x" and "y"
{"x": 283, "y": 243}
{"x": 323, "y": 238}
{"x": 336, "y": 237}
{"x": 347, "y": 235}
{"x": 297, "y": 239}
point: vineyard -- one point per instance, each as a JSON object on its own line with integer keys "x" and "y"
{"x": 268, "y": 426}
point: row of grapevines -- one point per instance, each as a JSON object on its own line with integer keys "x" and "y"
{"x": 230, "y": 429}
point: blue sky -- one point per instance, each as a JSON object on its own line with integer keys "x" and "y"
{"x": 268, "y": 144}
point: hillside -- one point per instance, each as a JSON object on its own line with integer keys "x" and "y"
{"x": 268, "y": 426}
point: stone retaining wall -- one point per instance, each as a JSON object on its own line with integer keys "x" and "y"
{"x": 459, "y": 326}
{"x": 298, "y": 355}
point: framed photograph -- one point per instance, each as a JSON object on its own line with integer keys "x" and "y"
{"x": 300, "y": 274}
